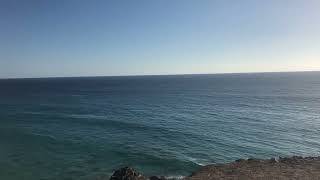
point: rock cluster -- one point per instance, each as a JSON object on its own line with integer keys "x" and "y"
{"x": 127, "y": 173}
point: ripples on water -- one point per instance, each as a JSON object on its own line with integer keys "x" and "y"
{"x": 81, "y": 128}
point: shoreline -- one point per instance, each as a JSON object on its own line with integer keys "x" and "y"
{"x": 287, "y": 168}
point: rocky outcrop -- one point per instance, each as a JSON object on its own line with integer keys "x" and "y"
{"x": 293, "y": 168}
{"x": 127, "y": 173}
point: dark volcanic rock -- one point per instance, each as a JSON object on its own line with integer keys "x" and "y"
{"x": 127, "y": 173}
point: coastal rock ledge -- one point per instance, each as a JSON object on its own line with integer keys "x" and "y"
{"x": 293, "y": 168}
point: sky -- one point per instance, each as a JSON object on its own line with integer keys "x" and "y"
{"x": 57, "y": 38}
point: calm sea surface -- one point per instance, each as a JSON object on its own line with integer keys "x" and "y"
{"x": 81, "y": 128}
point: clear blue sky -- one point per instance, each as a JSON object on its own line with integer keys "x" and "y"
{"x": 41, "y": 38}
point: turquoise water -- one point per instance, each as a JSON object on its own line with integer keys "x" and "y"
{"x": 82, "y": 128}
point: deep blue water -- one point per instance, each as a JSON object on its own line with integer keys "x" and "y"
{"x": 81, "y": 128}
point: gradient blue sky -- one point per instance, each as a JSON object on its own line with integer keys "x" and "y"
{"x": 44, "y": 38}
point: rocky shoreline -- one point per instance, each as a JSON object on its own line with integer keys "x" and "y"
{"x": 293, "y": 168}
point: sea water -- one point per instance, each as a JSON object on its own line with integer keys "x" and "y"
{"x": 86, "y": 127}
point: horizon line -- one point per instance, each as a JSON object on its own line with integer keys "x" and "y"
{"x": 139, "y": 75}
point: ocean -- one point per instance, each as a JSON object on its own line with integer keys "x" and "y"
{"x": 87, "y": 127}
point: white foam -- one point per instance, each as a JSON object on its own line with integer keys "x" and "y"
{"x": 196, "y": 161}
{"x": 175, "y": 177}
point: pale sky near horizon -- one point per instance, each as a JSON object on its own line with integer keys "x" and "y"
{"x": 49, "y": 38}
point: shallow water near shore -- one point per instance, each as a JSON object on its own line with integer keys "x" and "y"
{"x": 82, "y": 128}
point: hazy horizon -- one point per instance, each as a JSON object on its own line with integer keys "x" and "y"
{"x": 109, "y": 38}
{"x": 186, "y": 74}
